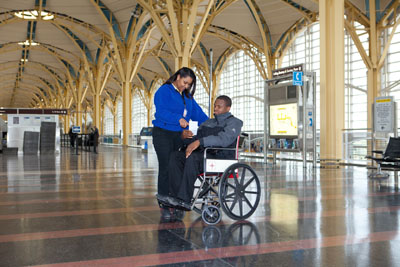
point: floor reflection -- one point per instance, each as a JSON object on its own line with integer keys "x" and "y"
{"x": 100, "y": 209}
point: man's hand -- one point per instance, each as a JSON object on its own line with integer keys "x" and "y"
{"x": 183, "y": 123}
{"x": 187, "y": 134}
{"x": 192, "y": 147}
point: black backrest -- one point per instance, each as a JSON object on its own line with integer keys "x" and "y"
{"x": 393, "y": 148}
{"x": 242, "y": 137}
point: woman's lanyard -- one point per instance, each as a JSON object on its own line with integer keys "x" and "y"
{"x": 184, "y": 103}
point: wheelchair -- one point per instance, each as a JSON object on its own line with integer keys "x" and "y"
{"x": 227, "y": 185}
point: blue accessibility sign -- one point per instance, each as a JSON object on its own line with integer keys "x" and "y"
{"x": 298, "y": 78}
{"x": 76, "y": 129}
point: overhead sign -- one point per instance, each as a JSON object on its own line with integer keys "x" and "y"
{"x": 384, "y": 114}
{"x": 76, "y": 129}
{"x": 297, "y": 78}
{"x": 55, "y": 111}
{"x": 8, "y": 111}
{"x": 33, "y": 111}
{"x": 287, "y": 70}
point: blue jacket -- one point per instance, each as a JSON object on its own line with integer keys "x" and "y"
{"x": 170, "y": 106}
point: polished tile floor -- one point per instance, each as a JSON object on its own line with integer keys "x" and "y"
{"x": 100, "y": 210}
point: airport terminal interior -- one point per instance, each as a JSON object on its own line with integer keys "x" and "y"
{"x": 315, "y": 82}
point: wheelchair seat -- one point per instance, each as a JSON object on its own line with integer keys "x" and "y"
{"x": 228, "y": 185}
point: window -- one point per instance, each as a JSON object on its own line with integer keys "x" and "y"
{"x": 108, "y": 121}
{"x": 306, "y": 50}
{"x": 241, "y": 81}
{"x": 390, "y": 82}
{"x": 201, "y": 95}
{"x": 119, "y": 118}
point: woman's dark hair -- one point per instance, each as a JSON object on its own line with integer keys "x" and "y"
{"x": 183, "y": 73}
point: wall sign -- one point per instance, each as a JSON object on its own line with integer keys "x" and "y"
{"x": 384, "y": 114}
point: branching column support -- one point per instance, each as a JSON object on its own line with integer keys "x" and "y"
{"x": 127, "y": 55}
{"x": 332, "y": 78}
{"x": 265, "y": 35}
{"x": 97, "y": 78}
{"x": 188, "y": 21}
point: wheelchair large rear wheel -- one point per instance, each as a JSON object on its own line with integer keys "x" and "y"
{"x": 239, "y": 191}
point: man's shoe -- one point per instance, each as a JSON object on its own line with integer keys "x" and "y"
{"x": 185, "y": 205}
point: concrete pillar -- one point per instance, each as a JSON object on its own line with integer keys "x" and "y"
{"x": 126, "y": 111}
{"x": 96, "y": 110}
{"x": 78, "y": 114}
{"x": 332, "y": 78}
{"x": 374, "y": 85}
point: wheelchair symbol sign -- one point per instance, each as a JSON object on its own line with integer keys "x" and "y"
{"x": 298, "y": 78}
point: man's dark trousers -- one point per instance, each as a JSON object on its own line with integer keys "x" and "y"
{"x": 183, "y": 172}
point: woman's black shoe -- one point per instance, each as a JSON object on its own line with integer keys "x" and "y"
{"x": 166, "y": 213}
{"x": 179, "y": 214}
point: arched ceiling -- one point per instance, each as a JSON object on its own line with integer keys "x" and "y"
{"x": 69, "y": 40}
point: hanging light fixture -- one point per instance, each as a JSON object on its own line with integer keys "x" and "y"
{"x": 28, "y": 43}
{"x": 34, "y": 14}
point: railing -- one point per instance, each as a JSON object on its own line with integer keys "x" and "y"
{"x": 65, "y": 140}
{"x": 254, "y": 142}
{"x": 357, "y": 144}
{"x": 254, "y": 147}
{"x": 83, "y": 141}
{"x": 111, "y": 139}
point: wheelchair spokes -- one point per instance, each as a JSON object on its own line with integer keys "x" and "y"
{"x": 239, "y": 200}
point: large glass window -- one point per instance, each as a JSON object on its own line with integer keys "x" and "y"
{"x": 108, "y": 121}
{"x": 306, "y": 50}
{"x": 241, "y": 81}
{"x": 391, "y": 69}
{"x": 355, "y": 84}
{"x": 139, "y": 114}
{"x": 119, "y": 118}
{"x": 201, "y": 95}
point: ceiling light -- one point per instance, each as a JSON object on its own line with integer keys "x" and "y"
{"x": 24, "y": 60}
{"x": 34, "y": 14}
{"x": 28, "y": 43}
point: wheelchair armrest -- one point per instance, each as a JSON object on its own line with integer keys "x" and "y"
{"x": 220, "y": 148}
{"x": 217, "y": 148}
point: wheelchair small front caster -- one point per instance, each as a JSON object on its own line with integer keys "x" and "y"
{"x": 211, "y": 215}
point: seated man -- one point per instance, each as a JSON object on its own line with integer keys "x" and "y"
{"x": 184, "y": 166}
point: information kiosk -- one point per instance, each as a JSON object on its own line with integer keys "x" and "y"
{"x": 289, "y": 106}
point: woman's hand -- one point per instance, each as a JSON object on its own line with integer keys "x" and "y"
{"x": 183, "y": 123}
{"x": 187, "y": 134}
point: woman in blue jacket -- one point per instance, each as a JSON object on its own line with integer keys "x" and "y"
{"x": 175, "y": 106}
